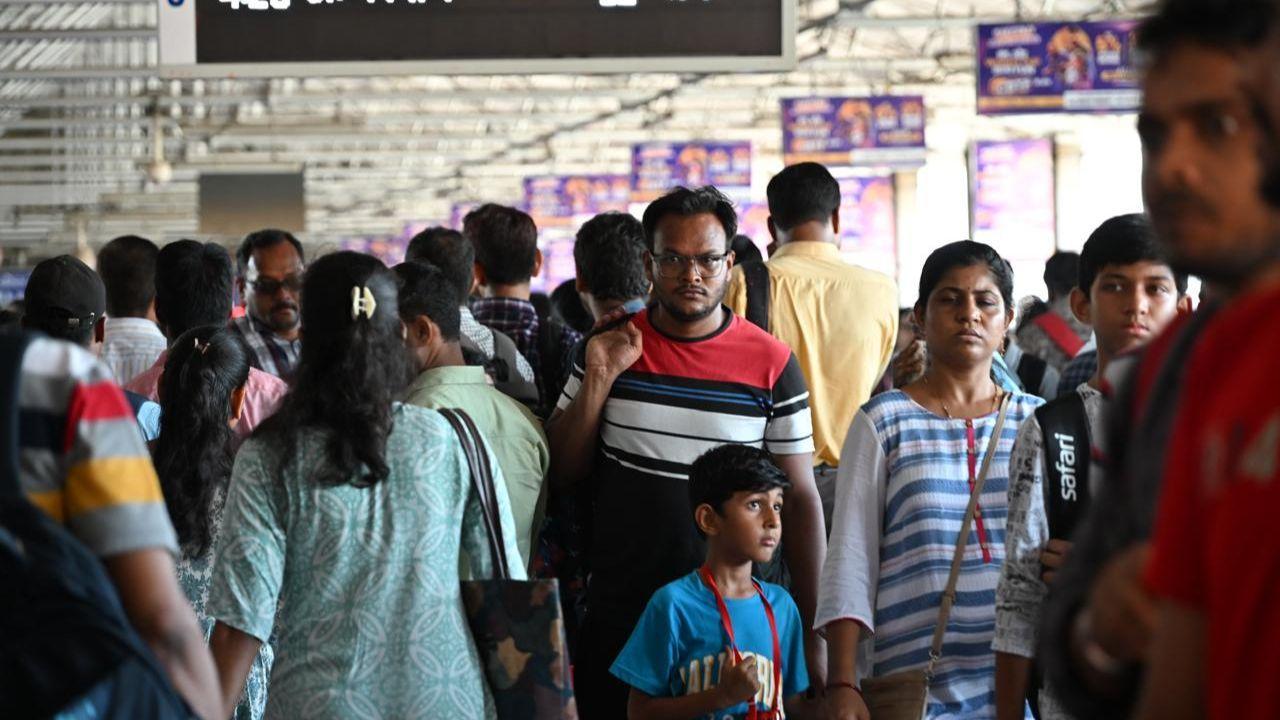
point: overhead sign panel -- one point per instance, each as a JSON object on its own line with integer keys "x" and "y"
{"x": 1057, "y": 67}
{"x": 659, "y": 167}
{"x": 212, "y": 38}
{"x": 876, "y": 130}
{"x": 570, "y": 200}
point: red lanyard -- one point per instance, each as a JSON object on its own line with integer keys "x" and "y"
{"x": 973, "y": 479}
{"x": 752, "y": 713}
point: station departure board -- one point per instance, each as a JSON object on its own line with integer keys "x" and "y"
{"x": 211, "y": 38}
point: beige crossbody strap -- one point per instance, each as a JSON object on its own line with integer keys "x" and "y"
{"x": 949, "y": 595}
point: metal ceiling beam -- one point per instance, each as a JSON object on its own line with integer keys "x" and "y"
{"x": 130, "y": 33}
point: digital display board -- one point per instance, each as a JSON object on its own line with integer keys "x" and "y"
{"x": 209, "y": 38}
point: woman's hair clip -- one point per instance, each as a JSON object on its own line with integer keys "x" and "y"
{"x": 362, "y": 302}
{"x": 203, "y": 348}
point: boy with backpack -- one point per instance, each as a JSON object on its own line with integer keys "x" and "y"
{"x": 1128, "y": 292}
{"x": 717, "y": 643}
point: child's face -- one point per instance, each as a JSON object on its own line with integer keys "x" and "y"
{"x": 1129, "y": 304}
{"x": 749, "y": 525}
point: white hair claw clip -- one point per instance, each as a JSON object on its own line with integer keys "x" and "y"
{"x": 362, "y": 302}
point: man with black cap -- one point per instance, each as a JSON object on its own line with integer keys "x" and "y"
{"x": 66, "y": 299}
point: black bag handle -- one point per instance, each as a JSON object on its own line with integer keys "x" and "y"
{"x": 756, "y": 276}
{"x": 482, "y": 483}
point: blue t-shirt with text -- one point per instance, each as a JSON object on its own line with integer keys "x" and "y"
{"x": 679, "y": 646}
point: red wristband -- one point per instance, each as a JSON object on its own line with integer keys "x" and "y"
{"x": 851, "y": 686}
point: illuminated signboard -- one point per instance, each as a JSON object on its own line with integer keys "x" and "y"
{"x": 210, "y": 38}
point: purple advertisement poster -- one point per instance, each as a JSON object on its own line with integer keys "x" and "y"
{"x": 568, "y": 201}
{"x": 1013, "y": 198}
{"x": 659, "y": 167}
{"x": 1057, "y": 67}
{"x": 868, "y": 228}
{"x": 875, "y": 130}
{"x": 388, "y": 249}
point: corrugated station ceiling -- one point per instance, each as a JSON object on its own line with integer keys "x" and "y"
{"x": 79, "y": 89}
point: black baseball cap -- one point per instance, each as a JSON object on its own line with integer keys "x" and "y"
{"x": 64, "y": 290}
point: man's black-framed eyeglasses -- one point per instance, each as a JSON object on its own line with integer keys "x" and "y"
{"x": 271, "y": 286}
{"x": 671, "y": 265}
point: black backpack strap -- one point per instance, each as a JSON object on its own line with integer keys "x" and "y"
{"x": 13, "y": 346}
{"x": 1031, "y": 370}
{"x": 552, "y": 371}
{"x": 1068, "y": 449}
{"x": 756, "y": 276}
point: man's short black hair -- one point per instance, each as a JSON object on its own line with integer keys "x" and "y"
{"x": 193, "y": 286}
{"x": 685, "y": 202}
{"x": 449, "y": 251}
{"x": 506, "y": 242}
{"x": 718, "y": 474}
{"x": 609, "y": 256}
{"x": 424, "y": 289}
{"x": 1225, "y": 24}
{"x": 1123, "y": 240}
{"x": 261, "y": 240}
{"x": 802, "y": 193}
{"x": 1060, "y": 273}
{"x": 127, "y": 266}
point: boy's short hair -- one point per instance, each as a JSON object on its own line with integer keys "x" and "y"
{"x": 506, "y": 242}
{"x": 729, "y": 469}
{"x": 448, "y": 250}
{"x": 1123, "y": 240}
{"x": 608, "y": 254}
{"x": 424, "y": 289}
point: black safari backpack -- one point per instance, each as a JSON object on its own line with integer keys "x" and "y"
{"x": 65, "y": 643}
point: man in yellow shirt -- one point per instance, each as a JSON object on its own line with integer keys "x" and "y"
{"x": 841, "y": 320}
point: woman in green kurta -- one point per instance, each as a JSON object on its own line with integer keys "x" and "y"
{"x": 346, "y": 517}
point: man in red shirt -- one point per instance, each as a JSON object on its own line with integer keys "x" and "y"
{"x": 1215, "y": 564}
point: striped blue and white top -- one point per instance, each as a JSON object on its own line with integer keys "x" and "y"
{"x": 901, "y": 495}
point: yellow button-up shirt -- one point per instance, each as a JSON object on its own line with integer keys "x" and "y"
{"x": 840, "y": 320}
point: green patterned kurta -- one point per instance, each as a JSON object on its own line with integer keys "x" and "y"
{"x": 194, "y": 575}
{"x": 370, "y": 622}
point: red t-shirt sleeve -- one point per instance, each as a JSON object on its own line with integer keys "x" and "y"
{"x": 1176, "y": 570}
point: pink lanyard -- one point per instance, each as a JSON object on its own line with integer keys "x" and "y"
{"x": 972, "y": 442}
{"x": 753, "y": 712}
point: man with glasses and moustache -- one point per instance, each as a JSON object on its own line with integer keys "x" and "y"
{"x": 270, "y": 266}
{"x": 645, "y": 398}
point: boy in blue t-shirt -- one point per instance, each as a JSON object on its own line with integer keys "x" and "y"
{"x": 680, "y": 662}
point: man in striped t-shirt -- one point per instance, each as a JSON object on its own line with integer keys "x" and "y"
{"x": 646, "y": 399}
{"x": 82, "y": 460}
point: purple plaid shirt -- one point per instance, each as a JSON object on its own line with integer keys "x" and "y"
{"x": 518, "y": 320}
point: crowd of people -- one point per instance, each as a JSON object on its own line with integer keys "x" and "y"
{"x": 764, "y": 488}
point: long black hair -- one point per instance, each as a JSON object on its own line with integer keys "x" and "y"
{"x": 193, "y": 454}
{"x": 352, "y": 365}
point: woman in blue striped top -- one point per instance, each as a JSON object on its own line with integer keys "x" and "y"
{"x": 907, "y": 466}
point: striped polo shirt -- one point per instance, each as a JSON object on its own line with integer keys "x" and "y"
{"x": 901, "y": 496}
{"x": 82, "y": 458}
{"x": 682, "y": 398}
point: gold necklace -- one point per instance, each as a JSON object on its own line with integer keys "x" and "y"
{"x": 995, "y": 399}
